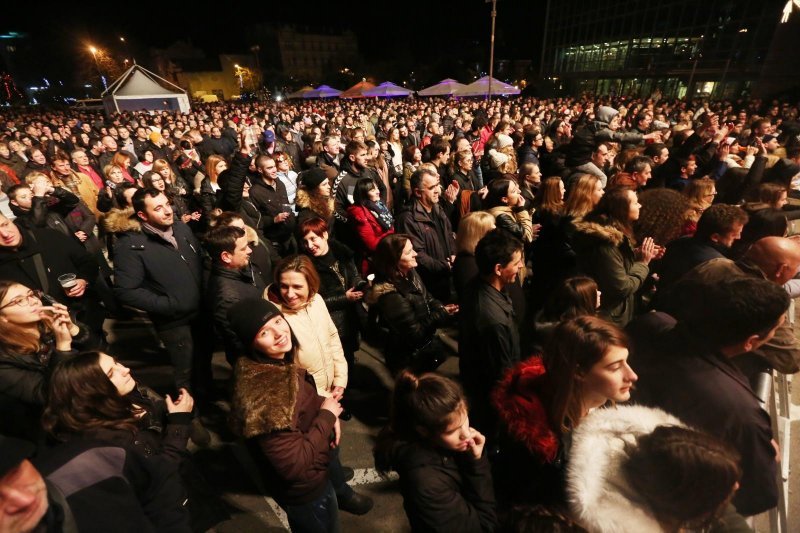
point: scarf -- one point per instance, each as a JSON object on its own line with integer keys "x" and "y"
{"x": 381, "y": 214}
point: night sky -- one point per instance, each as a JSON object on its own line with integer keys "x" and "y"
{"x": 61, "y": 33}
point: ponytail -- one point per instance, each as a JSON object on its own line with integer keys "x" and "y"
{"x": 422, "y": 406}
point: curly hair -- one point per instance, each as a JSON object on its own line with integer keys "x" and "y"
{"x": 663, "y": 214}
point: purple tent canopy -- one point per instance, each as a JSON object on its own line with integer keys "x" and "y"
{"x": 323, "y": 91}
{"x": 387, "y": 89}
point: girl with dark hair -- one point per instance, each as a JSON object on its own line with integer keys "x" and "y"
{"x": 604, "y": 245}
{"x": 371, "y": 219}
{"x": 541, "y": 400}
{"x": 314, "y": 196}
{"x": 33, "y": 338}
{"x": 573, "y": 297}
{"x": 643, "y": 464}
{"x": 290, "y": 429}
{"x": 506, "y": 204}
{"x": 444, "y": 473}
{"x": 95, "y": 397}
{"x": 405, "y": 308}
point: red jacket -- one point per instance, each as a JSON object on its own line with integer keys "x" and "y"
{"x": 369, "y": 232}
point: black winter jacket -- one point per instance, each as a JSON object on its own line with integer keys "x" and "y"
{"x": 151, "y": 275}
{"x": 226, "y": 287}
{"x": 338, "y": 274}
{"x": 445, "y": 491}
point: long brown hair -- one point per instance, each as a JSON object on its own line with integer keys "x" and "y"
{"x": 387, "y": 256}
{"x": 548, "y": 197}
{"x": 579, "y": 201}
{"x": 574, "y": 348}
{"x": 614, "y": 210}
{"x": 83, "y": 398}
{"x": 13, "y": 337}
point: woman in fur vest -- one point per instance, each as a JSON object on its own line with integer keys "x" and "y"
{"x": 541, "y": 400}
{"x": 639, "y": 470}
{"x": 276, "y": 407}
{"x": 314, "y": 197}
{"x": 604, "y": 246}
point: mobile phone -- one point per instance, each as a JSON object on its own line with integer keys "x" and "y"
{"x": 362, "y": 285}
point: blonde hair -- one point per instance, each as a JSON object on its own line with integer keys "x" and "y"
{"x": 33, "y": 176}
{"x": 579, "y": 202}
{"x": 471, "y": 229}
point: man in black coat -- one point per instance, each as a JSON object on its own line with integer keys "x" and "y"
{"x": 233, "y": 278}
{"x": 718, "y": 228}
{"x": 488, "y": 340}
{"x": 268, "y": 194}
{"x": 158, "y": 269}
{"x": 686, "y": 369}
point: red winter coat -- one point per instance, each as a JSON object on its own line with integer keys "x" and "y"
{"x": 369, "y": 232}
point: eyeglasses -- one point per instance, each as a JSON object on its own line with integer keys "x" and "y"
{"x": 26, "y": 298}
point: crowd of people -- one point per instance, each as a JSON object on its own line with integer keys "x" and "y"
{"x": 586, "y": 253}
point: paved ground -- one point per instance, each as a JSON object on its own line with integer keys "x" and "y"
{"x": 228, "y": 498}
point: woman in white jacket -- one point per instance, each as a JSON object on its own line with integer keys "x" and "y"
{"x": 296, "y": 291}
{"x": 640, "y": 470}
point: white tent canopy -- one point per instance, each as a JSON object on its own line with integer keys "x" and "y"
{"x": 387, "y": 89}
{"x": 138, "y": 89}
{"x": 481, "y": 88}
{"x": 443, "y": 88}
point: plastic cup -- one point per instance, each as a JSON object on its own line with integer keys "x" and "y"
{"x": 68, "y": 281}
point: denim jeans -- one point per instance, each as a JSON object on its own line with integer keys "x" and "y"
{"x": 340, "y": 486}
{"x": 318, "y": 516}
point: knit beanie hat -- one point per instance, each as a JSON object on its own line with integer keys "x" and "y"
{"x": 312, "y": 178}
{"x": 503, "y": 140}
{"x": 247, "y": 317}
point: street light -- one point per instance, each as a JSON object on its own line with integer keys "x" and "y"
{"x": 94, "y": 51}
{"x": 239, "y": 73}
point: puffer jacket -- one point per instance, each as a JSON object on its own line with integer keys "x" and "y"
{"x": 338, "y": 274}
{"x": 151, "y": 275}
{"x": 227, "y": 286}
{"x": 606, "y": 255}
{"x": 319, "y": 351}
{"x": 516, "y": 222}
{"x": 586, "y": 139}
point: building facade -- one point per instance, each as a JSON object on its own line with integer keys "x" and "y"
{"x": 672, "y": 48}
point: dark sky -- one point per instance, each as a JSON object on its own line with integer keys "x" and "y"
{"x": 62, "y": 32}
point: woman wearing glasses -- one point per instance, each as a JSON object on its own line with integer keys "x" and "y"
{"x": 34, "y": 336}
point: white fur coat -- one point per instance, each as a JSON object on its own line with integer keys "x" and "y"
{"x": 600, "y": 498}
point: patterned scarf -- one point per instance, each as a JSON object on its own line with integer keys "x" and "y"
{"x": 381, "y": 214}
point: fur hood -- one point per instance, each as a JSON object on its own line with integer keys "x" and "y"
{"x": 318, "y": 204}
{"x": 603, "y": 232}
{"x": 378, "y": 290}
{"x": 264, "y": 397}
{"x": 599, "y": 496}
{"x": 517, "y": 401}
{"x": 121, "y": 221}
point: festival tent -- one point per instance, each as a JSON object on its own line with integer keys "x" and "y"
{"x": 481, "y": 88}
{"x": 323, "y": 91}
{"x": 138, "y": 89}
{"x": 443, "y": 88}
{"x": 357, "y": 90}
{"x": 300, "y": 93}
{"x": 387, "y": 89}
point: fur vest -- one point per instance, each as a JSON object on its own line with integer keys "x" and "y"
{"x": 264, "y": 397}
{"x": 522, "y": 411}
{"x": 320, "y": 205}
{"x": 121, "y": 220}
{"x": 600, "y": 498}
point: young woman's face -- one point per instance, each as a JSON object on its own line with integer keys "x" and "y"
{"x": 513, "y": 196}
{"x": 456, "y": 435}
{"x": 598, "y": 192}
{"x": 148, "y": 156}
{"x": 315, "y": 244}
{"x": 119, "y": 374}
{"x": 21, "y": 306}
{"x": 324, "y": 188}
{"x": 374, "y": 194}
{"x": 158, "y": 183}
{"x": 635, "y": 206}
{"x": 610, "y": 378}
{"x": 220, "y": 167}
{"x": 115, "y": 175}
{"x": 274, "y": 338}
{"x": 294, "y": 289}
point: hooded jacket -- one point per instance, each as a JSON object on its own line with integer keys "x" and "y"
{"x": 600, "y": 497}
{"x": 606, "y": 254}
{"x": 151, "y": 275}
{"x": 586, "y": 139}
{"x": 275, "y": 404}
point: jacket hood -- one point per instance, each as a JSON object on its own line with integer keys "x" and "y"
{"x": 605, "y": 114}
{"x": 121, "y": 220}
{"x": 378, "y": 290}
{"x": 264, "y": 397}
{"x": 603, "y": 232}
{"x": 318, "y": 204}
{"x": 598, "y": 493}
{"x": 517, "y": 401}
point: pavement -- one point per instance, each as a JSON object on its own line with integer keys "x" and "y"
{"x": 226, "y": 495}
